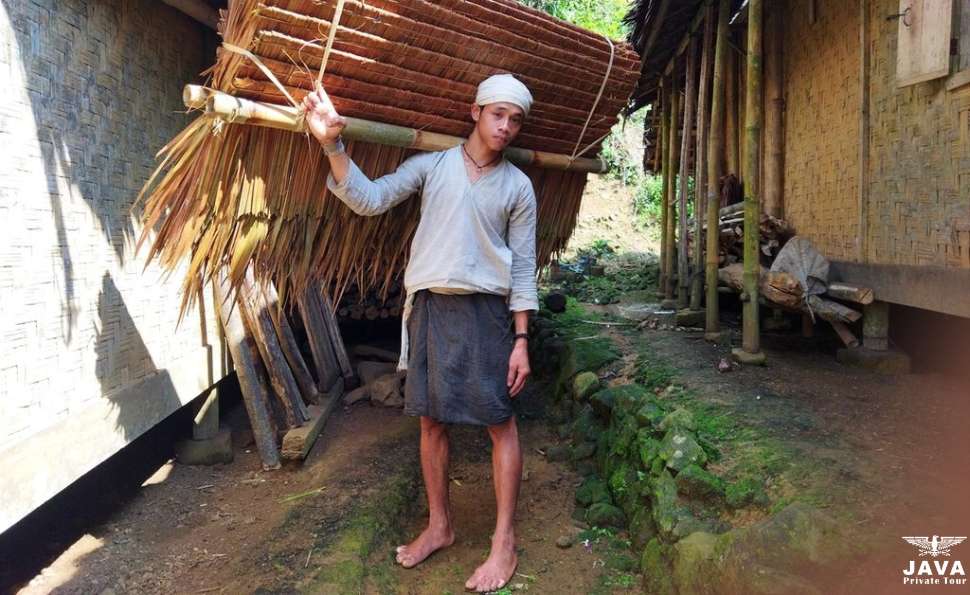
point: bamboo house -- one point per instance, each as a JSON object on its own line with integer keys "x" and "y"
{"x": 846, "y": 123}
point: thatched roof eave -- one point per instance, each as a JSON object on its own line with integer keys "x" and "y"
{"x": 659, "y": 30}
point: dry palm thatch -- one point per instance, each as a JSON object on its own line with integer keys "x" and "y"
{"x": 228, "y": 195}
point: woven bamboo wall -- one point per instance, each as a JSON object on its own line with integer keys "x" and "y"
{"x": 90, "y": 352}
{"x": 919, "y": 195}
{"x": 822, "y": 124}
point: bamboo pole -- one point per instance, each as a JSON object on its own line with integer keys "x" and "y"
{"x": 715, "y": 168}
{"x": 665, "y": 177}
{"x": 245, "y": 360}
{"x": 742, "y": 72}
{"x": 751, "y": 339}
{"x": 700, "y": 162}
{"x": 673, "y": 166}
{"x": 732, "y": 162}
{"x": 237, "y": 110}
{"x": 690, "y": 106}
{"x": 775, "y": 102}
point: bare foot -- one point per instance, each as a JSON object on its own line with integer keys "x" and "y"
{"x": 431, "y": 539}
{"x": 496, "y": 571}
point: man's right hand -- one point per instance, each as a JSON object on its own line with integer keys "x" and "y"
{"x": 322, "y": 119}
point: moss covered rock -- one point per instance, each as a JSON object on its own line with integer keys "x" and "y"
{"x": 618, "y": 399}
{"x": 679, "y": 449}
{"x": 592, "y": 490}
{"x": 585, "y": 356}
{"x": 561, "y": 452}
{"x": 694, "y": 566}
{"x": 585, "y": 426}
{"x": 650, "y": 414}
{"x": 679, "y": 418}
{"x": 696, "y": 482}
{"x": 602, "y": 514}
{"x": 642, "y": 529}
{"x": 655, "y": 568}
{"x": 584, "y": 385}
{"x": 584, "y": 450}
{"x": 648, "y": 448}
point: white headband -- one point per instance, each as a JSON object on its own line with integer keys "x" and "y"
{"x": 504, "y": 87}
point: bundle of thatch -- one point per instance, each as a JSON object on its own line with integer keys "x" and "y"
{"x": 230, "y": 194}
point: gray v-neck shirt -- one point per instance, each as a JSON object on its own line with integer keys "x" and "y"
{"x": 476, "y": 236}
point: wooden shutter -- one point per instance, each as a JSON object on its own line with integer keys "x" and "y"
{"x": 923, "y": 51}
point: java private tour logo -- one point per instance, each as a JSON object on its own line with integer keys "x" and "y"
{"x": 941, "y": 569}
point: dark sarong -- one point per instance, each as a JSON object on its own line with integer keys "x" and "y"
{"x": 458, "y": 358}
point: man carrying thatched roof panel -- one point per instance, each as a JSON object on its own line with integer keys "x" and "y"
{"x": 471, "y": 272}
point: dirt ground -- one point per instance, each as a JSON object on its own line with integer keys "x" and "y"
{"x": 227, "y": 529}
{"x": 886, "y": 453}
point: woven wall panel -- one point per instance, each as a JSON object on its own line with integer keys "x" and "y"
{"x": 920, "y": 163}
{"x": 822, "y": 125}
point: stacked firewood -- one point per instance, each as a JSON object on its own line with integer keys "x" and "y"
{"x": 373, "y": 304}
{"x": 774, "y": 232}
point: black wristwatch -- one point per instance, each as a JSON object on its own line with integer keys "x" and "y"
{"x": 520, "y": 336}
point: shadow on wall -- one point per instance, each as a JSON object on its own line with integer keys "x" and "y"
{"x": 122, "y": 357}
{"x": 98, "y": 124}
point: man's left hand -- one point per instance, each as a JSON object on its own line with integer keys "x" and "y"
{"x": 518, "y": 368}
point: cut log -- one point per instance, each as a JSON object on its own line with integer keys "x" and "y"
{"x": 251, "y": 384}
{"x": 301, "y": 373}
{"x": 832, "y": 311}
{"x": 260, "y": 324}
{"x": 851, "y": 293}
{"x": 777, "y": 287}
{"x": 845, "y": 334}
{"x": 375, "y": 353}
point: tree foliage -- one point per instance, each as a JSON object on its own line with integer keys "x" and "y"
{"x": 602, "y": 16}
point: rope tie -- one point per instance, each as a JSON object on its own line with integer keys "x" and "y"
{"x": 609, "y": 70}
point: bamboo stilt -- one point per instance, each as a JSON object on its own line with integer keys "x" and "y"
{"x": 700, "y": 161}
{"x": 664, "y": 176}
{"x": 715, "y": 164}
{"x": 244, "y": 111}
{"x": 732, "y": 162}
{"x": 671, "y": 210}
{"x": 301, "y": 373}
{"x": 751, "y": 338}
{"x": 775, "y": 104}
{"x": 246, "y": 362}
{"x": 690, "y": 105}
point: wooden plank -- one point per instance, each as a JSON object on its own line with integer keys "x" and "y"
{"x": 298, "y": 441}
{"x": 301, "y": 373}
{"x": 960, "y": 79}
{"x": 253, "y": 388}
{"x": 259, "y": 323}
{"x": 851, "y": 293}
{"x": 324, "y": 358}
{"x": 923, "y": 42}
{"x": 939, "y": 289}
{"x": 337, "y": 341}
